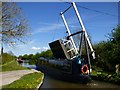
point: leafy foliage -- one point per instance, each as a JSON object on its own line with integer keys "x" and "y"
{"x": 47, "y": 53}
{"x": 108, "y": 52}
{"x": 33, "y": 58}
{"x": 107, "y": 77}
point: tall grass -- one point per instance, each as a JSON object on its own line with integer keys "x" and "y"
{"x": 9, "y": 63}
{"x": 6, "y": 58}
{"x": 13, "y": 65}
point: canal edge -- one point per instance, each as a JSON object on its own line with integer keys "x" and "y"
{"x": 39, "y": 85}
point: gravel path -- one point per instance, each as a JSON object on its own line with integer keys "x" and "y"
{"x": 10, "y": 76}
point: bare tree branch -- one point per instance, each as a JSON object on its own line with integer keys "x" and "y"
{"x": 14, "y": 25}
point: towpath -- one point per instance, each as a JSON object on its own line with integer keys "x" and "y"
{"x": 10, "y": 76}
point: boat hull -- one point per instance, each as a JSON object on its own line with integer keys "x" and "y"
{"x": 20, "y": 61}
{"x": 66, "y": 75}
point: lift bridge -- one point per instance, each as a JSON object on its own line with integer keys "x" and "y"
{"x": 65, "y": 50}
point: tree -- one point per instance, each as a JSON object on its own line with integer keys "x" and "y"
{"x": 115, "y": 40}
{"x": 46, "y": 54}
{"x": 14, "y": 24}
{"x": 108, "y": 52}
{"x": 114, "y": 36}
{"x": 37, "y": 55}
{"x": 25, "y": 57}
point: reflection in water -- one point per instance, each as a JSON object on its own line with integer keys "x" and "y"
{"x": 50, "y": 82}
{"x": 26, "y": 64}
{"x": 54, "y": 83}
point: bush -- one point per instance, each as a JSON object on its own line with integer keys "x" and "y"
{"x": 113, "y": 78}
{"x": 108, "y": 52}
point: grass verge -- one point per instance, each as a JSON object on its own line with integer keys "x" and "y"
{"x": 106, "y": 76}
{"x": 29, "y": 81}
{"x": 13, "y": 65}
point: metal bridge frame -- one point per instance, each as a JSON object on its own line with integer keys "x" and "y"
{"x": 83, "y": 35}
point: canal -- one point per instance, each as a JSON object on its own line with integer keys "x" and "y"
{"x": 51, "y": 82}
{"x": 54, "y": 83}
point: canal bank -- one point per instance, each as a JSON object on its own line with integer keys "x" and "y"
{"x": 24, "y": 78}
{"x": 11, "y": 76}
{"x": 28, "y": 81}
